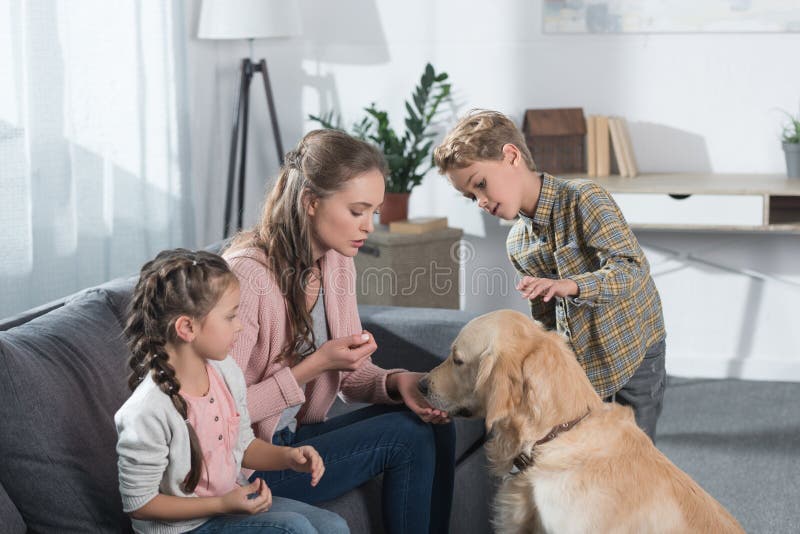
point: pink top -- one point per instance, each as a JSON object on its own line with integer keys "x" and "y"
{"x": 271, "y": 386}
{"x": 216, "y": 422}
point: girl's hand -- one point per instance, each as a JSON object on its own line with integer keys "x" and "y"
{"x": 346, "y": 353}
{"x": 237, "y": 501}
{"x": 305, "y": 459}
{"x": 531, "y": 287}
{"x": 407, "y": 386}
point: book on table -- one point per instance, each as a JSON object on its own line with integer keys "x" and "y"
{"x": 418, "y": 225}
{"x": 627, "y": 147}
{"x": 609, "y": 147}
{"x": 603, "y": 146}
{"x": 616, "y": 145}
{"x": 591, "y": 145}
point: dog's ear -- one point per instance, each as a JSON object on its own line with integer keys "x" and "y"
{"x": 486, "y": 362}
{"x": 499, "y": 382}
{"x": 556, "y": 387}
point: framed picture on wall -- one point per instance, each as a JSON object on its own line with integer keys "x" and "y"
{"x": 671, "y": 16}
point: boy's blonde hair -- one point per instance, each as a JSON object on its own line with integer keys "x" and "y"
{"x": 480, "y": 135}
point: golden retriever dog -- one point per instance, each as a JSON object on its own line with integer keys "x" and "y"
{"x": 582, "y": 465}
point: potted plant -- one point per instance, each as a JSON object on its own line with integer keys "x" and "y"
{"x": 408, "y": 155}
{"x": 791, "y": 145}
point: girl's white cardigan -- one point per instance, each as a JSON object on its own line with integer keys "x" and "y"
{"x": 153, "y": 447}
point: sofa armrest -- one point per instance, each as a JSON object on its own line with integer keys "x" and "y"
{"x": 417, "y": 339}
{"x": 29, "y": 315}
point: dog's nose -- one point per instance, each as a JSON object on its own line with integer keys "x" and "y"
{"x": 423, "y": 385}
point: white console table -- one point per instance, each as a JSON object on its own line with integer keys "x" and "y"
{"x": 720, "y": 202}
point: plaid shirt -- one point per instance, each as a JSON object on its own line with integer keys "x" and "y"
{"x": 578, "y": 232}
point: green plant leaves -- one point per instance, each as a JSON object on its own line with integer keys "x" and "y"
{"x": 328, "y": 120}
{"x": 412, "y": 116}
{"x": 409, "y": 157}
{"x": 791, "y": 130}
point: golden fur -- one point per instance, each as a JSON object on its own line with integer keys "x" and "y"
{"x": 603, "y": 475}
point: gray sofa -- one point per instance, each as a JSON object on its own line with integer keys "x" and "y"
{"x": 63, "y": 369}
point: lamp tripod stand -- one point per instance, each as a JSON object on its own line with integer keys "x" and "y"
{"x": 241, "y": 110}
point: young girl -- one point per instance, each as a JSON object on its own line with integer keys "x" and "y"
{"x": 184, "y": 434}
{"x": 302, "y": 343}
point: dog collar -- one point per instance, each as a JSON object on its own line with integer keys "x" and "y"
{"x": 525, "y": 460}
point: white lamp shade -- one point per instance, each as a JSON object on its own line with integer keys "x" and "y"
{"x": 248, "y": 19}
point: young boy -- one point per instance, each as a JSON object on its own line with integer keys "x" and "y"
{"x": 582, "y": 268}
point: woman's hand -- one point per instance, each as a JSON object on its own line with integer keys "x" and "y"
{"x": 406, "y": 385}
{"x": 531, "y": 287}
{"x": 237, "y": 501}
{"x": 342, "y": 354}
{"x": 346, "y": 353}
{"x": 305, "y": 459}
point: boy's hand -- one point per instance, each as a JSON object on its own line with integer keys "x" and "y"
{"x": 531, "y": 287}
{"x": 305, "y": 459}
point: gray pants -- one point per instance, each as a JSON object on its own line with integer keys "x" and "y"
{"x": 644, "y": 392}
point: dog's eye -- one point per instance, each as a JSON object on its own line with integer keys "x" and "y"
{"x": 456, "y": 361}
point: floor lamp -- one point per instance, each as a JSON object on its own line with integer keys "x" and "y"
{"x": 247, "y": 19}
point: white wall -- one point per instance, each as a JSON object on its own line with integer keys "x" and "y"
{"x": 695, "y": 102}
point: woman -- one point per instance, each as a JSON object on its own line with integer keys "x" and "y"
{"x": 302, "y": 342}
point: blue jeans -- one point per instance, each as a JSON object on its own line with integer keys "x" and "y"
{"x": 284, "y": 517}
{"x": 417, "y": 460}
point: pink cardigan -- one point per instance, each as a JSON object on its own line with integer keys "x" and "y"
{"x": 271, "y": 386}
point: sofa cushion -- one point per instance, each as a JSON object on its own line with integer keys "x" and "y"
{"x": 118, "y": 293}
{"x": 9, "y": 515}
{"x": 361, "y": 507}
{"x": 62, "y": 378}
{"x": 417, "y": 339}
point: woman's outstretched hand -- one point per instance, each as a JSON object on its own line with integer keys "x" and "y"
{"x": 406, "y": 385}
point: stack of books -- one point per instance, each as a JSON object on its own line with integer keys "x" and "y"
{"x": 419, "y": 225}
{"x": 608, "y": 145}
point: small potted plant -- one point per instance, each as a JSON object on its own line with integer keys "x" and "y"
{"x": 408, "y": 155}
{"x": 791, "y": 145}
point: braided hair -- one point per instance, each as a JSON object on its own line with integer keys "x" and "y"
{"x": 320, "y": 165}
{"x": 177, "y": 282}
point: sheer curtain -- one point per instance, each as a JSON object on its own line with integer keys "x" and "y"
{"x": 94, "y": 176}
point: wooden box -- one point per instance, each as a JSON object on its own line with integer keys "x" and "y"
{"x": 556, "y": 139}
{"x": 410, "y": 270}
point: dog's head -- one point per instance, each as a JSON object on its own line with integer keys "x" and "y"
{"x": 505, "y": 367}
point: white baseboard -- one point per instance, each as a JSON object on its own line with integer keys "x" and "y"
{"x": 749, "y": 369}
